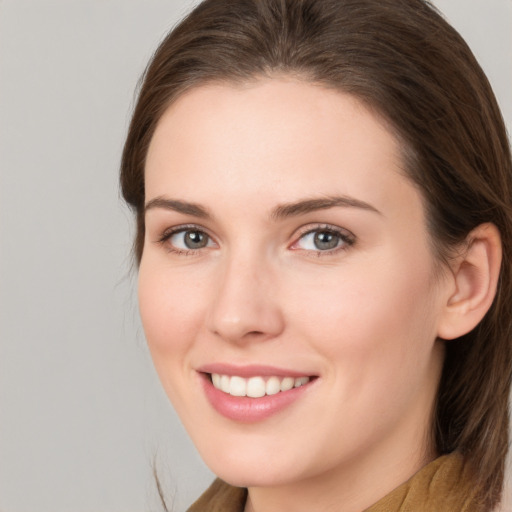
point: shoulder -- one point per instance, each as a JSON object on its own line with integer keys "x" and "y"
{"x": 221, "y": 497}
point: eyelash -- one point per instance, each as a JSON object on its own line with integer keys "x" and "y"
{"x": 346, "y": 238}
{"x": 169, "y": 233}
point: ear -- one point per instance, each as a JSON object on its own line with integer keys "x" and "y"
{"x": 474, "y": 276}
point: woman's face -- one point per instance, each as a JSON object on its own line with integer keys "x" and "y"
{"x": 284, "y": 246}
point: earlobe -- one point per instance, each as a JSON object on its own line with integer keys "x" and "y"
{"x": 475, "y": 276}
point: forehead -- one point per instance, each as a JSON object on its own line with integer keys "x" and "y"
{"x": 276, "y": 137}
{"x": 279, "y": 107}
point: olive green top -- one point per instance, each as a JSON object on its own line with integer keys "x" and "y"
{"x": 444, "y": 485}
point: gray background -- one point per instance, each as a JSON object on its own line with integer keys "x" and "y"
{"x": 82, "y": 416}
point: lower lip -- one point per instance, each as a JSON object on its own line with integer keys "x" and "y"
{"x": 250, "y": 410}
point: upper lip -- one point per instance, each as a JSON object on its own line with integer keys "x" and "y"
{"x": 251, "y": 370}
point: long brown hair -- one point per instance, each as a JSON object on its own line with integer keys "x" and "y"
{"x": 402, "y": 59}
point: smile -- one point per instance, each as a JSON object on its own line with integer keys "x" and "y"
{"x": 253, "y": 393}
{"x": 256, "y": 387}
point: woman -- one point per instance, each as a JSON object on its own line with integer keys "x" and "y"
{"x": 323, "y": 202}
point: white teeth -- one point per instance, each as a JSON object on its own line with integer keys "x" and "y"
{"x": 256, "y": 387}
{"x": 287, "y": 383}
{"x": 301, "y": 381}
{"x": 224, "y": 383}
{"x": 273, "y": 386}
{"x": 216, "y": 380}
{"x": 237, "y": 386}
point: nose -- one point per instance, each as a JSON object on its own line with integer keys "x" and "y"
{"x": 245, "y": 306}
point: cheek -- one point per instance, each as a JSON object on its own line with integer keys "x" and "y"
{"x": 375, "y": 332}
{"x": 378, "y": 319}
{"x": 171, "y": 309}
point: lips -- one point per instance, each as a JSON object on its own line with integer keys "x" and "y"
{"x": 252, "y": 393}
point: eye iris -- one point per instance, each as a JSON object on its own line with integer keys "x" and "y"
{"x": 326, "y": 240}
{"x": 195, "y": 239}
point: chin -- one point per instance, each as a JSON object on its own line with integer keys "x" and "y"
{"x": 261, "y": 476}
{"x": 260, "y": 466}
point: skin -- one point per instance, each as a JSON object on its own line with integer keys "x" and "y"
{"x": 363, "y": 317}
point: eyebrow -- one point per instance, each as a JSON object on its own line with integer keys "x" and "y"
{"x": 178, "y": 206}
{"x": 283, "y": 211}
{"x": 310, "y": 205}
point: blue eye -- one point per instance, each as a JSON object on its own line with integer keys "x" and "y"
{"x": 323, "y": 240}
